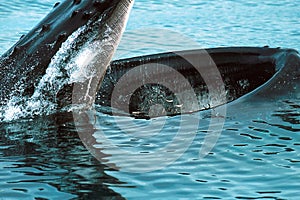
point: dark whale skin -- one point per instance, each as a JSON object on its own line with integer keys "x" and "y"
{"x": 26, "y": 62}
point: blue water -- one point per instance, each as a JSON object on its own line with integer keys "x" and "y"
{"x": 256, "y": 156}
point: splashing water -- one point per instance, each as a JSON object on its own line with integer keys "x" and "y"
{"x": 66, "y": 67}
{"x": 51, "y": 82}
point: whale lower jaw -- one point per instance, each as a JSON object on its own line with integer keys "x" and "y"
{"x": 248, "y": 73}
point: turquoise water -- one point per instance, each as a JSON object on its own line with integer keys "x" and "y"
{"x": 210, "y": 23}
{"x": 256, "y": 156}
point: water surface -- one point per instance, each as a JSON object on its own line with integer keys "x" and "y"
{"x": 257, "y": 155}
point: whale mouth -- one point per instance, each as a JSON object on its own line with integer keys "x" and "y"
{"x": 244, "y": 70}
{"x": 63, "y": 60}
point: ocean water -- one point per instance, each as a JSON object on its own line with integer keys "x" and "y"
{"x": 255, "y": 157}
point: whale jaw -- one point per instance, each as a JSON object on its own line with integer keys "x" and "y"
{"x": 249, "y": 74}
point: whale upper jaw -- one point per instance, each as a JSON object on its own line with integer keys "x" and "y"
{"x": 23, "y": 65}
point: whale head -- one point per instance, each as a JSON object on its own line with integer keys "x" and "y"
{"x": 74, "y": 43}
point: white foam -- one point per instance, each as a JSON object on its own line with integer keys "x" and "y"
{"x": 43, "y": 99}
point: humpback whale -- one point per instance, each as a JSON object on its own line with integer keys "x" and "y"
{"x": 63, "y": 60}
